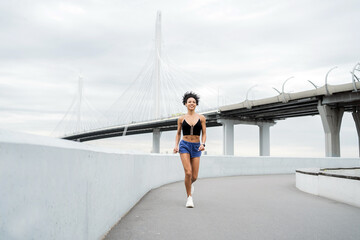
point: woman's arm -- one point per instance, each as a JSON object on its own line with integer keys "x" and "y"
{"x": 178, "y": 135}
{"x": 203, "y": 137}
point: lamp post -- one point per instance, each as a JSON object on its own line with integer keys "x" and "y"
{"x": 326, "y": 85}
{"x": 283, "y": 93}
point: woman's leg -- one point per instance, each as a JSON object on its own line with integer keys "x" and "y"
{"x": 195, "y": 163}
{"x": 185, "y": 159}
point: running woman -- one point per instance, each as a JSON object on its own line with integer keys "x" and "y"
{"x": 190, "y": 147}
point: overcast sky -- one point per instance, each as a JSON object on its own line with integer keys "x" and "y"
{"x": 229, "y": 46}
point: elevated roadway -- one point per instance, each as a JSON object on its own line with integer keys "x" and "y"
{"x": 328, "y": 101}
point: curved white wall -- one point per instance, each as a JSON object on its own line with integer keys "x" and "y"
{"x": 308, "y": 182}
{"x": 336, "y": 187}
{"x": 56, "y": 189}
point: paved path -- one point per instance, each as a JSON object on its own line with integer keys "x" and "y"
{"x": 244, "y": 207}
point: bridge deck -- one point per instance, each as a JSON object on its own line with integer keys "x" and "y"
{"x": 244, "y": 207}
{"x": 254, "y": 111}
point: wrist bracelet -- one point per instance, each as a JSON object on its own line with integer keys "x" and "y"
{"x": 203, "y": 144}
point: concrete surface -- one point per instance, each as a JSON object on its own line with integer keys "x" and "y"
{"x": 347, "y": 172}
{"x": 244, "y": 207}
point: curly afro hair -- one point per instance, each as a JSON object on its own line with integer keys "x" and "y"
{"x": 188, "y": 95}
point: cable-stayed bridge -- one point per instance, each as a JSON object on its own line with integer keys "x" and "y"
{"x": 152, "y": 104}
{"x": 263, "y": 112}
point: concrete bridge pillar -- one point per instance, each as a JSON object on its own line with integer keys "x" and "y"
{"x": 331, "y": 120}
{"x": 156, "y": 141}
{"x": 264, "y": 141}
{"x": 356, "y": 116}
{"x": 228, "y": 136}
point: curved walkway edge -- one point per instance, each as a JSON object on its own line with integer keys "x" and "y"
{"x": 242, "y": 207}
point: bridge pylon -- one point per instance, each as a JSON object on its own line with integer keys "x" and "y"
{"x": 331, "y": 119}
{"x": 156, "y": 141}
{"x": 264, "y": 138}
{"x": 228, "y": 135}
{"x": 157, "y": 83}
{"x": 356, "y": 116}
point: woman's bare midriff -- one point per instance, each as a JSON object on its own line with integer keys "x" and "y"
{"x": 191, "y": 138}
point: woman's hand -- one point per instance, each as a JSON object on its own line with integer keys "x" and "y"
{"x": 201, "y": 148}
{"x": 176, "y": 149}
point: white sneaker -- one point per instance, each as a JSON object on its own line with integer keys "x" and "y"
{"x": 192, "y": 189}
{"x": 189, "y": 202}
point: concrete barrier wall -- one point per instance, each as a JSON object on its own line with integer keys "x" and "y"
{"x": 57, "y": 189}
{"x": 340, "y": 188}
{"x": 307, "y": 183}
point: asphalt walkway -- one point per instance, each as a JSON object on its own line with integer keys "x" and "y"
{"x": 244, "y": 207}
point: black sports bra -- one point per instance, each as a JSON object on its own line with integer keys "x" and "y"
{"x": 191, "y": 130}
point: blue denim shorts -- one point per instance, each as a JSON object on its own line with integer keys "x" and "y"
{"x": 190, "y": 147}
